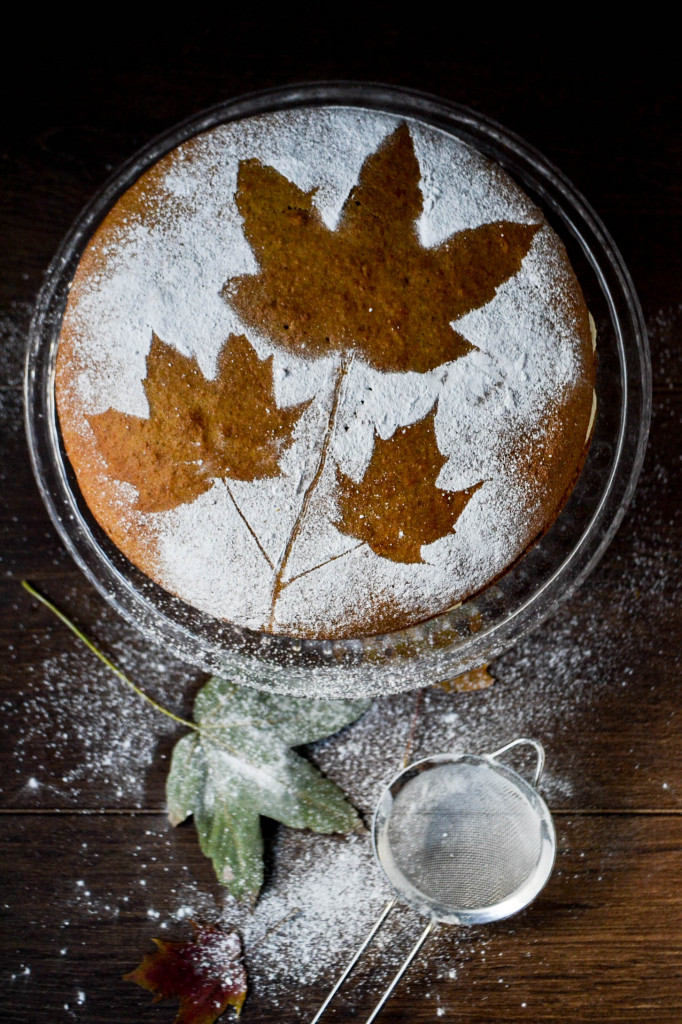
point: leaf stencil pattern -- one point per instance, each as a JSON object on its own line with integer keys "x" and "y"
{"x": 397, "y": 507}
{"x": 198, "y": 429}
{"x": 239, "y": 766}
{"x": 207, "y": 975}
{"x": 370, "y": 298}
{"x": 369, "y": 286}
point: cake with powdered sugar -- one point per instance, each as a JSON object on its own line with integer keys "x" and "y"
{"x": 325, "y": 372}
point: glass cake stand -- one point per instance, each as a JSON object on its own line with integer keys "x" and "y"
{"x": 481, "y": 628}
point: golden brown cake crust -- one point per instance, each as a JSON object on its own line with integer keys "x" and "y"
{"x": 329, "y": 424}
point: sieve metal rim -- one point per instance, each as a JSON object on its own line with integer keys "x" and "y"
{"x": 522, "y": 896}
{"x": 407, "y": 892}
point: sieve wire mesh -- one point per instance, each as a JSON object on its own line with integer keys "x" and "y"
{"x": 464, "y": 835}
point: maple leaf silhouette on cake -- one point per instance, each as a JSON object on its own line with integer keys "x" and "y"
{"x": 369, "y": 286}
{"x": 397, "y": 506}
{"x": 207, "y": 974}
{"x": 198, "y": 429}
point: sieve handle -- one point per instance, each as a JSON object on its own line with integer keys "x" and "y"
{"x": 406, "y": 963}
{"x": 382, "y": 917}
{"x": 535, "y": 744}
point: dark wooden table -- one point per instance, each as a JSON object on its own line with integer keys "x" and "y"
{"x": 91, "y": 870}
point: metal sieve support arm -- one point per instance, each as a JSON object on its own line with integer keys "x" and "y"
{"x": 406, "y": 963}
{"x": 382, "y": 917}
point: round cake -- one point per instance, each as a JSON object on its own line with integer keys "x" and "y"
{"x": 325, "y": 372}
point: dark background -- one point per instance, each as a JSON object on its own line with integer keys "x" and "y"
{"x": 605, "y": 107}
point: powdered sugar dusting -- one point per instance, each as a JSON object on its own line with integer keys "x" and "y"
{"x": 165, "y": 274}
{"x": 333, "y": 880}
{"x": 322, "y": 893}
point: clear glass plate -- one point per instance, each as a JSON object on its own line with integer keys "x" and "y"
{"x": 485, "y": 625}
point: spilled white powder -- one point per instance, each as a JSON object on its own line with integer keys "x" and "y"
{"x": 64, "y": 721}
{"x": 334, "y": 890}
{"x": 308, "y": 919}
{"x": 166, "y": 275}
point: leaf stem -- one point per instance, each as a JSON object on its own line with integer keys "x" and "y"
{"x": 314, "y": 568}
{"x": 248, "y": 526}
{"x": 413, "y": 727}
{"x": 278, "y": 585}
{"x": 103, "y": 658}
{"x": 275, "y": 927}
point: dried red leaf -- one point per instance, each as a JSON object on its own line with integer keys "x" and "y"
{"x": 207, "y": 974}
{"x": 474, "y": 679}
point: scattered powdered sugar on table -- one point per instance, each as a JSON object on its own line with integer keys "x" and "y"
{"x": 73, "y": 726}
{"x": 72, "y": 718}
{"x": 322, "y": 893}
{"x": 13, "y": 330}
{"x": 333, "y": 894}
{"x": 74, "y": 737}
{"x": 165, "y": 274}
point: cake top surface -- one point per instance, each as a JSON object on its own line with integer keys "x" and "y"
{"x": 324, "y": 372}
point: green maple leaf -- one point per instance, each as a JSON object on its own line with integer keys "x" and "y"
{"x": 239, "y": 765}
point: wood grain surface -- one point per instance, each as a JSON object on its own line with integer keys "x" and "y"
{"x": 90, "y": 865}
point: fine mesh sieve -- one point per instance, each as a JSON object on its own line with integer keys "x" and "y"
{"x": 462, "y": 839}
